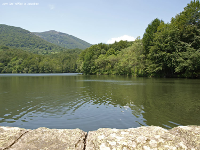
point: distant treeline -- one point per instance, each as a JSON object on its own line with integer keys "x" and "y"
{"x": 166, "y": 50}
{"x": 20, "y": 61}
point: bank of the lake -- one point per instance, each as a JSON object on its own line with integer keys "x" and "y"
{"x": 69, "y": 101}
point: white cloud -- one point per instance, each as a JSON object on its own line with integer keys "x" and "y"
{"x": 123, "y": 38}
{"x": 51, "y": 7}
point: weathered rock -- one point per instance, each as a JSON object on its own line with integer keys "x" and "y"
{"x": 145, "y": 138}
{"x": 187, "y": 137}
{"x": 44, "y": 138}
{"x": 9, "y": 135}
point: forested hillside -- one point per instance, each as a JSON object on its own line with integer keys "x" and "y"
{"x": 166, "y": 50}
{"x": 20, "y": 61}
{"x": 174, "y": 49}
{"x": 63, "y": 40}
{"x": 103, "y": 58}
{"x": 19, "y": 38}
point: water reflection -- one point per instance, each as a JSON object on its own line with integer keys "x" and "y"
{"x": 92, "y": 102}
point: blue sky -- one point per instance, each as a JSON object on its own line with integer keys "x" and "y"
{"x": 95, "y": 21}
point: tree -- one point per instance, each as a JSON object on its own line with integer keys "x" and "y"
{"x": 175, "y": 50}
{"x": 149, "y": 34}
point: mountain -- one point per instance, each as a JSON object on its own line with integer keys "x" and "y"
{"x": 17, "y": 37}
{"x": 63, "y": 39}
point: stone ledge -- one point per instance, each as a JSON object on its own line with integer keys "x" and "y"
{"x": 14, "y": 138}
{"x": 145, "y": 137}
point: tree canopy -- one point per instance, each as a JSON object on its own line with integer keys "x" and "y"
{"x": 175, "y": 50}
{"x": 149, "y": 34}
{"x": 20, "y": 61}
{"x": 166, "y": 50}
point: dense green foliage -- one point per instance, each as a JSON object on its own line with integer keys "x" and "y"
{"x": 149, "y": 34}
{"x": 19, "y": 38}
{"x": 176, "y": 45}
{"x": 63, "y": 40}
{"x": 166, "y": 50}
{"x": 109, "y": 59}
{"x": 20, "y": 61}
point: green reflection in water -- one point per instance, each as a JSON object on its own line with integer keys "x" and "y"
{"x": 92, "y": 102}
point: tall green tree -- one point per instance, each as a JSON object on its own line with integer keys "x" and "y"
{"x": 175, "y": 50}
{"x": 149, "y": 35}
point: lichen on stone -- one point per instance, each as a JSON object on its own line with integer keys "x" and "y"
{"x": 145, "y": 138}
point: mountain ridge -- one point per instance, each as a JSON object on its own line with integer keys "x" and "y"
{"x": 17, "y": 37}
{"x": 63, "y": 39}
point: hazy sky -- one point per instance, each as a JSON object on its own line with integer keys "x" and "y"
{"x": 94, "y": 21}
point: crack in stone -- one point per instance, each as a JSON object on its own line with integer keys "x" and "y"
{"x": 15, "y": 141}
{"x": 85, "y": 141}
{"x": 136, "y": 138}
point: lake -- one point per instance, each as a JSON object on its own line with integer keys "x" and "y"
{"x": 69, "y": 101}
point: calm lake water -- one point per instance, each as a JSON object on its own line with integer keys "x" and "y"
{"x": 68, "y": 101}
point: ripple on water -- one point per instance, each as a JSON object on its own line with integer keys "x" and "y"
{"x": 115, "y": 82}
{"x": 174, "y": 123}
{"x": 38, "y": 97}
{"x": 9, "y": 120}
{"x": 7, "y": 115}
{"x": 62, "y": 102}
